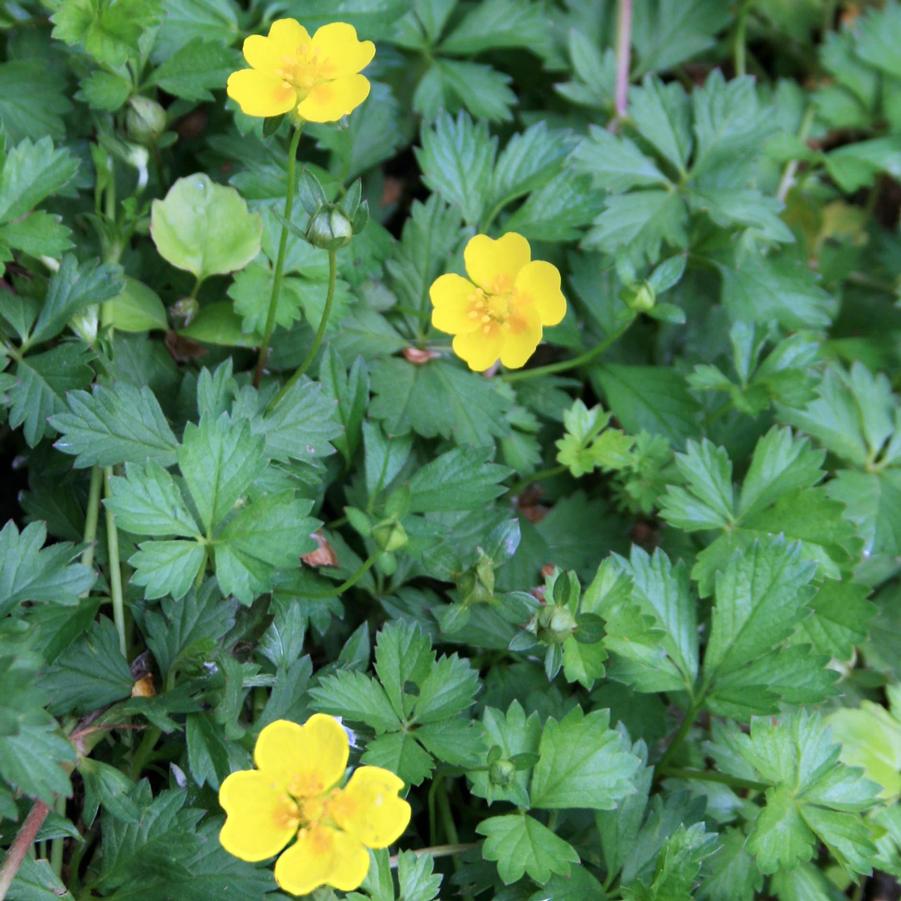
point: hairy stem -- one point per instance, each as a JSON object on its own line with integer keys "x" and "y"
{"x": 280, "y": 257}
{"x": 320, "y": 332}
{"x": 574, "y": 363}
{"x": 115, "y": 569}
{"x": 22, "y": 842}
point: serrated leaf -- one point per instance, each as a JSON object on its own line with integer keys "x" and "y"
{"x": 195, "y": 69}
{"x": 461, "y": 479}
{"x": 109, "y": 426}
{"x": 520, "y": 844}
{"x": 583, "y": 763}
{"x": 31, "y": 172}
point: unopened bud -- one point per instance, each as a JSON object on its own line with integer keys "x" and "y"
{"x": 330, "y": 229}
{"x": 145, "y": 120}
{"x": 555, "y": 624}
{"x": 502, "y": 773}
{"x": 639, "y": 296}
{"x": 390, "y": 535}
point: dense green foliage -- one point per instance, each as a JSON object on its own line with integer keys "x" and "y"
{"x": 628, "y": 626}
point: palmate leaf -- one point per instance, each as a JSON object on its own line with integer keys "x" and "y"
{"x": 812, "y": 796}
{"x": 31, "y": 172}
{"x": 520, "y": 845}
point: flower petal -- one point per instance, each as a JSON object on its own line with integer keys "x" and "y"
{"x": 451, "y": 297}
{"x": 493, "y": 265}
{"x": 285, "y": 38}
{"x": 479, "y": 349}
{"x": 329, "y": 101}
{"x": 322, "y": 856}
{"x": 261, "y": 818}
{"x": 308, "y": 759}
{"x": 540, "y": 283}
{"x": 337, "y": 45}
{"x": 369, "y": 808}
{"x": 521, "y": 337}
{"x": 260, "y": 93}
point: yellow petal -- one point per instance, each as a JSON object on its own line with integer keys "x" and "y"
{"x": 307, "y": 759}
{"x": 479, "y": 349}
{"x": 260, "y": 93}
{"x": 452, "y": 297}
{"x": 521, "y": 336}
{"x": 493, "y": 265}
{"x": 369, "y": 808}
{"x": 329, "y": 101}
{"x": 337, "y": 45}
{"x": 539, "y": 282}
{"x": 286, "y": 37}
{"x": 261, "y": 818}
{"x": 322, "y": 856}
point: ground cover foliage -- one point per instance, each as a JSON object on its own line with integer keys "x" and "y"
{"x": 627, "y": 621}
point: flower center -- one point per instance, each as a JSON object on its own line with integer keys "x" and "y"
{"x": 490, "y": 309}
{"x": 305, "y": 69}
{"x": 287, "y": 815}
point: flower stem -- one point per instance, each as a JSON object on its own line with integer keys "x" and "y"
{"x": 687, "y": 723}
{"x": 280, "y": 258}
{"x": 709, "y": 776}
{"x": 92, "y": 515}
{"x": 320, "y": 332}
{"x": 437, "y": 851}
{"x": 115, "y": 569}
{"x": 538, "y": 476}
{"x": 22, "y": 842}
{"x": 623, "y": 58}
{"x": 791, "y": 167}
{"x": 574, "y": 363}
{"x": 347, "y": 583}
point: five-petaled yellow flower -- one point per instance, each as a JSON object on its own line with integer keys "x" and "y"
{"x": 317, "y": 77}
{"x": 501, "y": 312}
{"x": 293, "y": 792}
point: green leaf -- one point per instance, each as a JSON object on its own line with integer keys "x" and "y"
{"x": 218, "y": 323}
{"x": 205, "y": 228}
{"x": 403, "y": 654}
{"x": 521, "y": 845}
{"x": 167, "y": 567}
{"x": 760, "y": 597}
{"x": 90, "y": 673}
{"x": 614, "y": 164}
{"x": 438, "y": 398}
{"x": 36, "y": 881}
{"x": 840, "y": 620}
{"x": 147, "y": 501}
{"x": 268, "y": 534}
{"x": 764, "y": 289}
{"x": 416, "y": 877}
{"x": 661, "y": 113}
{"x": 219, "y": 458}
{"x": 357, "y": 698}
{"x": 31, "y": 172}
{"x": 195, "y": 69}
{"x": 121, "y": 424}
{"x": 32, "y": 102}
{"x": 30, "y": 572}
{"x": 708, "y": 503}
{"x": 498, "y": 24}
{"x": 649, "y": 398}
{"x": 32, "y": 760}
{"x": 71, "y": 289}
{"x": 457, "y": 161}
{"x": 42, "y": 381}
{"x": 878, "y": 35}
{"x": 639, "y": 224}
{"x": 109, "y": 32}
{"x": 188, "y": 20}
{"x": 813, "y": 796}
{"x": 559, "y": 210}
{"x": 667, "y": 32}
{"x": 451, "y": 84}
{"x": 461, "y": 479}
{"x": 583, "y": 763}
{"x": 137, "y": 308}
{"x": 402, "y": 754}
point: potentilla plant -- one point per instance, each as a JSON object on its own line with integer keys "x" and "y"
{"x": 453, "y": 451}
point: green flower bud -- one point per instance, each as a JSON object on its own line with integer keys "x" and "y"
{"x": 145, "y": 120}
{"x": 330, "y": 229}
{"x": 555, "y": 624}
{"x": 185, "y": 309}
{"x": 639, "y": 296}
{"x": 390, "y": 535}
{"x": 502, "y": 773}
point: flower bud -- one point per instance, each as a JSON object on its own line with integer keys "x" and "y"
{"x": 330, "y": 229}
{"x": 555, "y": 624}
{"x": 501, "y": 773}
{"x": 185, "y": 309}
{"x": 145, "y": 120}
{"x": 639, "y": 296}
{"x": 390, "y": 535}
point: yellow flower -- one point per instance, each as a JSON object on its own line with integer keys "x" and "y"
{"x": 500, "y": 311}
{"x": 293, "y": 792}
{"x": 317, "y": 76}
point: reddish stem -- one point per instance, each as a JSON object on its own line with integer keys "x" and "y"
{"x": 19, "y": 848}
